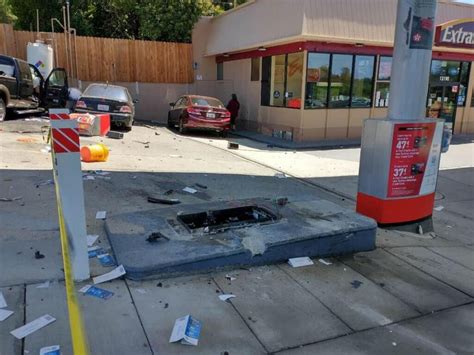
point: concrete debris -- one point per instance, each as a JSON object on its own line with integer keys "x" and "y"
{"x": 190, "y": 190}
{"x": 156, "y": 237}
{"x": 101, "y": 215}
{"x": 144, "y": 143}
{"x": 38, "y": 255}
{"x": 231, "y": 145}
{"x": 8, "y": 199}
{"x": 115, "y": 135}
{"x": 282, "y": 201}
{"x": 46, "y": 149}
{"x": 87, "y": 177}
{"x": 141, "y": 291}
{"x": 201, "y": 186}
{"x": 164, "y": 201}
{"x": 46, "y": 182}
{"x": 280, "y": 175}
{"x": 322, "y": 261}
{"x": 51, "y": 350}
{"x": 115, "y": 273}
{"x": 419, "y": 229}
{"x": 175, "y": 156}
{"x": 32, "y": 326}
{"x": 230, "y": 277}
{"x": 186, "y": 330}
{"x": 226, "y": 297}
{"x": 356, "y": 283}
{"x": 301, "y": 261}
{"x": 394, "y": 344}
{"x": 96, "y": 292}
{"x": 439, "y": 208}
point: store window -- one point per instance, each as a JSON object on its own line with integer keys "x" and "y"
{"x": 445, "y": 71}
{"x": 282, "y": 77}
{"x": 362, "y": 83}
{"x": 382, "y": 86}
{"x": 317, "y": 79}
{"x": 255, "y": 69}
{"x": 340, "y": 84}
{"x": 463, "y": 83}
{"x": 220, "y": 71}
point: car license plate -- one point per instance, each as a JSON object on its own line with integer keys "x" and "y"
{"x": 211, "y": 115}
{"x": 102, "y": 107}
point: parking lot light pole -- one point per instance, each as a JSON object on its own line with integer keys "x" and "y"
{"x": 397, "y": 181}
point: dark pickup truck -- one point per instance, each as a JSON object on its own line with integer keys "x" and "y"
{"x": 24, "y": 90}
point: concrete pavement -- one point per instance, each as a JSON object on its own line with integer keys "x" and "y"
{"x": 413, "y": 294}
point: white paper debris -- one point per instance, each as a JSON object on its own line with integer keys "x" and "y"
{"x": 43, "y": 285}
{"x": 280, "y": 175}
{"x": 226, "y": 297}
{"x": 439, "y": 208}
{"x": 50, "y": 350}
{"x": 33, "y": 326}
{"x": 101, "y": 215}
{"x": 3, "y": 302}
{"x": 100, "y": 172}
{"x": 394, "y": 344}
{"x": 175, "y": 156}
{"x": 88, "y": 177}
{"x": 91, "y": 239}
{"x": 4, "y": 314}
{"x": 302, "y": 261}
{"x": 230, "y": 277}
{"x": 117, "y": 272}
{"x": 190, "y": 190}
{"x": 322, "y": 261}
{"x": 85, "y": 288}
{"x": 94, "y": 248}
{"x": 186, "y": 330}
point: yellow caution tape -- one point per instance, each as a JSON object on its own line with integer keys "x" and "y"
{"x": 78, "y": 335}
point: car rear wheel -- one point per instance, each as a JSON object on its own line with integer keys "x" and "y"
{"x": 3, "y": 110}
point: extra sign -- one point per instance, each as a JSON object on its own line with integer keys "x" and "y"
{"x": 457, "y": 34}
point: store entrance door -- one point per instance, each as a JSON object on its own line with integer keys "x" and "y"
{"x": 442, "y": 101}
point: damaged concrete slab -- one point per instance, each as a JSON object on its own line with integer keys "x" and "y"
{"x": 209, "y": 236}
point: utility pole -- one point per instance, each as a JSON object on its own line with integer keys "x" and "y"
{"x": 400, "y": 154}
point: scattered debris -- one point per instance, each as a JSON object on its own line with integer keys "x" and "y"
{"x": 46, "y": 182}
{"x": 302, "y": 261}
{"x": 141, "y": 290}
{"x": 230, "y": 278}
{"x": 448, "y": 226}
{"x": 4, "y": 314}
{"x": 322, "y": 261}
{"x": 94, "y": 251}
{"x": 115, "y": 273}
{"x": 155, "y": 237}
{"x": 3, "y": 302}
{"x": 201, "y": 186}
{"x": 394, "y": 344}
{"x": 134, "y": 177}
{"x": 159, "y": 284}
{"x": 46, "y": 149}
{"x": 439, "y": 208}
{"x": 166, "y": 305}
{"x": 106, "y": 260}
{"x": 51, "y": 350}
{"x": 169, "y": 192}
{"x": 144, "y": 143}
{"x": 189, "y": 190}
{"x": 164, "y": 201}
{"x": 280, "y": 175}
{"x": 96, "y": 292}
{"x": 419, "y": 229}
{"x": 91, "y": 239}
{"x": 8, "y": 199}
{"x": 44, "y": 284}
{"x": 175, "y": 156}
{"x": 101, "y": 172}
{"x": 115, "y": 135}
{"x": 157, "y": 134}
{"x": 231, "y": 145}
{"x": 88, "y": 177}
{"x": 32, "y": 326}
{"x": 101, "y": 215}
{"x": 225, "y": 297}
{"x": 186, "y": 330}
{"x": 356, "y": 283}
{"x": 282, "y": 201}
{"x": 38, "y": 255}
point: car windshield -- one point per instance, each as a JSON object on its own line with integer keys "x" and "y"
{"x": 206, "y": 101}
{"x": 106, "y": 91}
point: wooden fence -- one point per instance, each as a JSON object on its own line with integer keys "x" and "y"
{"x": 107, "y": 59}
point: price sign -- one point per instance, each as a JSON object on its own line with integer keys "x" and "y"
{"x": 411, "y": 147}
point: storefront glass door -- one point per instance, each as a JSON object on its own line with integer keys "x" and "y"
{"x": 442, "y": 103}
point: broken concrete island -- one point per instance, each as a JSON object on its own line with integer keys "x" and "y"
{"x": 195, "y": 238}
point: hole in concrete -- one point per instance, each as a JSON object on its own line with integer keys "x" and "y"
{"x": 237, "y": 217}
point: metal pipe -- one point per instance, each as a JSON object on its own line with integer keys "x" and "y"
{"x": 37, "y": 24}
{"x": 75, "y": 51}
{"x": 69, "y": 36}
{"x": 56, "y": 56}
{"x": 65, "y": 39}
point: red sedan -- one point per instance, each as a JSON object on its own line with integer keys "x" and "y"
{"x": 199, "y": 112}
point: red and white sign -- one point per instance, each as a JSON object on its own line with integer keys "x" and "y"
{"x": 411, "y": 146}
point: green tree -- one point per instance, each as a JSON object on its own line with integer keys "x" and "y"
{"x": 6, "y": 14}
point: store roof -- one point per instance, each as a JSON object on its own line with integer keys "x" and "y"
{"x": 272, "y": 22}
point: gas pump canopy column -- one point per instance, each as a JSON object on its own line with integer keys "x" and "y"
{"x": 400, "y": 154}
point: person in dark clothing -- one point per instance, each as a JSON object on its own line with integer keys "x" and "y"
{"x": 233, "y": 106}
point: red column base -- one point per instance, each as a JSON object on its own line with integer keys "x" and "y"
{"x": 393, "y": 211}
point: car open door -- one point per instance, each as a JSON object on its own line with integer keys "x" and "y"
{"x": 55, "y": 90}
